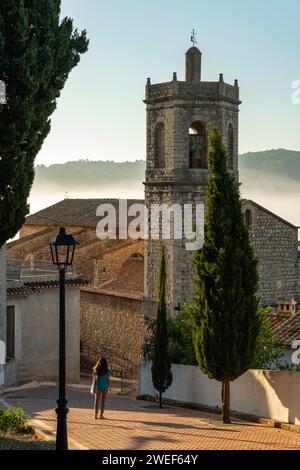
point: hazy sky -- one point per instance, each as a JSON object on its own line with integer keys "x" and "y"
{"x": 101, "y": 115}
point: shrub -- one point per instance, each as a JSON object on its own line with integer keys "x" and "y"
{"x": 181, "y": 348}
{"x": 14, "y": 420}
{"x": 267, "y": 354}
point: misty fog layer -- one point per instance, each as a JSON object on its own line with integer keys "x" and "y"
{"x": 42, "y": 197}
{"x": 270, "y": 178}
{"x": 278, "y": 194}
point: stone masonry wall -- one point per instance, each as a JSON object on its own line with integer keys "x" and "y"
{"x": 114, "y": 323}
{"x": 177, "y": 105}
{"x": 276, "y": 247}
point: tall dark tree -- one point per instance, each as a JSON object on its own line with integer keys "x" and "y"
{"x": 38, "y": 50}
{"x": 225, "y": 310}
{"x": 161, "y": 366}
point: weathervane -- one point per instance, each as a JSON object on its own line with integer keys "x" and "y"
{"x": 193, "y": 38}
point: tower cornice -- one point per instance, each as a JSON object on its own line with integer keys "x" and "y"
{"x": 216, "y": 91}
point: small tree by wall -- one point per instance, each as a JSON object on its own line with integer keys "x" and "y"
{"x": 161, "y": 366}
{"x": 226, "y": 322}
{"x": 181, "y": 349}
{"x": 267, "y": 352}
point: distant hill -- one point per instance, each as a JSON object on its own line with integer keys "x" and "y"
{"x": 272, "y": 178}
{"x": 87, "y": 174}
{"x": 281, "y": 162}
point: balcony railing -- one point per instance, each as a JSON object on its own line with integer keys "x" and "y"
{"x": 18, "y": 271}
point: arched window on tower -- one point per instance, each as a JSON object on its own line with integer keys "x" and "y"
{"x": 160, "y": 146}
{"x": 230, "y": 146}
{"x": 198, "y": 145}
{"x": 248, "y": 218}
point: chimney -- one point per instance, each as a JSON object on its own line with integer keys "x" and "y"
{"x": 287, "y": 307}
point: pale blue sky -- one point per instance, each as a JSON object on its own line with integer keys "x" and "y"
{"x": 101, "y": 115}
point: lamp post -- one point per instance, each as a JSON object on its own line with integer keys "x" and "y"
{"x": 62, "y": 252}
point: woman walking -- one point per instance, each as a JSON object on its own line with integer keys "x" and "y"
{"x": 102, "y": 376}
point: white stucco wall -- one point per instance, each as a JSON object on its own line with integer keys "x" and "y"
{"x": 37, "y": 334}
{"x": 266, "y": 394}
{"x": 2, "y": 295}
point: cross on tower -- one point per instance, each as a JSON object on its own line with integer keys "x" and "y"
{"x": 193, "y": 37}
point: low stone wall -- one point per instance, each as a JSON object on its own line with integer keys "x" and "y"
{"x": 112, "y": 323}
{"x": 264, "y": 394}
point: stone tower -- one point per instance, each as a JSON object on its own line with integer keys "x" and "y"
{"x": 178, "y": 115}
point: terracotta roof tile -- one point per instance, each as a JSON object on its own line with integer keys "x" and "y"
{"x": 131, "y": 276}
{"x": 22, "y": 290}
{"x": 119, "y": 293}
{"x": 28, "y": 288}
{"x": 74, "y": 212}
{"x": 286, "y": 328}
{"x": 55, "y": 283}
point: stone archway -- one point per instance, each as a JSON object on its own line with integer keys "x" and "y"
{"x": 198, "y": 145}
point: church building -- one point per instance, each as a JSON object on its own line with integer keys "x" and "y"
{"x": 123, "y": 275}
{"x": 179, "y": 114}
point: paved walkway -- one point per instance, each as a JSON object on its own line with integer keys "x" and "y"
{"x": 133, "y": 424}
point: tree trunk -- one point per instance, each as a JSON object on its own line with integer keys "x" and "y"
{"x": 226, "y": 401}
{"x": 160, "y": 399}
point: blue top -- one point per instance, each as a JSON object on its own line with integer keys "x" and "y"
{"x": 102, "y": 381}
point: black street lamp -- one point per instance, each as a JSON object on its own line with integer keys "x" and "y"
{"x": 62, "y": 252}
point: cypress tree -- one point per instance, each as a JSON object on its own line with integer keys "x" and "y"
{"x": 37, "y": 53}
{"x": 225, "y": 310}
{"x": 161, "y": 366}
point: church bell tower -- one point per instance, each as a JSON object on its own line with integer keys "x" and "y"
{"x": 178, "y": 116}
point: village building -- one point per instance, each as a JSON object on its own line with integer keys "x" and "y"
{"x": 276, "y": 246}
{"x": 33, "y": 329}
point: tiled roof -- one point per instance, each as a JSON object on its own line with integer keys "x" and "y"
{"x": 124, "y": 294}
{"x": 130, "y": 281}
{"x": 28, "y": 288}
{"x": 286, "y": 328}
{"x": 22, "y": 290}
{"x": 130, "y": 277}
{"x": 74, "y": 212}
{"x": 82, "y": 212}
{"x": 55, "y": 283}
{"x": 32, "y": 236}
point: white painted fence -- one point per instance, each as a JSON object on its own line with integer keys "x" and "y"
{"x": 265, "y": 394}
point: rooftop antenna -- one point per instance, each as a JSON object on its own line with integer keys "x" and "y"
{"x": 193, "y": 38}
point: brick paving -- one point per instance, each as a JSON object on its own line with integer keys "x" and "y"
{"x": 133, "y": 424}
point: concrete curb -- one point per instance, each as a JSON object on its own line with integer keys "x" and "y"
{"x": 36, "y": 384}
{"x": 27, "y": 386}
{"x": 45, "y": 432}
